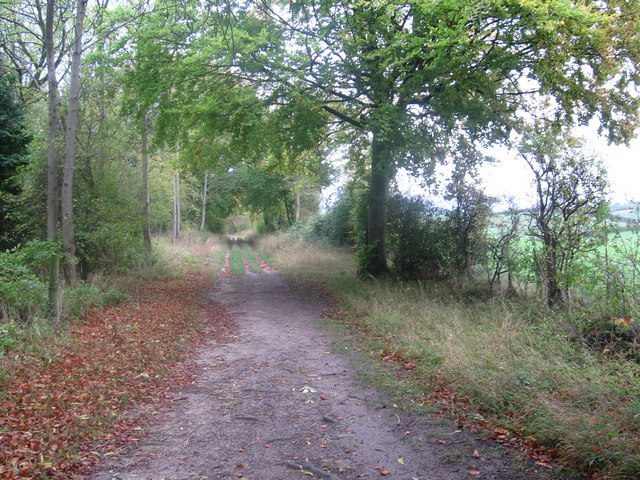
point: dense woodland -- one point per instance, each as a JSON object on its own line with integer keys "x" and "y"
{"x": 123, "y": 122}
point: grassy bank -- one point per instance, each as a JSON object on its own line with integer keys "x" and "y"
{"x": 513, "y": 363}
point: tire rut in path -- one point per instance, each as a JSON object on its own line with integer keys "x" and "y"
{"x": 277, "y": 402}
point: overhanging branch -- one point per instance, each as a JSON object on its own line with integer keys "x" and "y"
{"x": 343, "y": 117}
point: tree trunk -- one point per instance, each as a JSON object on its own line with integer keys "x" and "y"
{"x": 52, "y": 152}
{"x": 53, "y": 285}
{"x": 374, "y": 260}
{"x": 145, "y": 176}
{"x": 204, "y": 201}
{"x": 555, "y": 295}
{"x": 298, "y": 205}
{"x": 68, "y": 238}
{"x": 52, "y": 155}
{"x": 176, "y": 206}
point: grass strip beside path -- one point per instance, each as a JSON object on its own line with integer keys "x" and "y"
{"x": 510, "y": 369}
{"x": 237, "y": 261}
{"x": 61, "y": 413}
{"x": 250, "y": 256}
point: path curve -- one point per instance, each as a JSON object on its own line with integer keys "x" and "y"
{"x": 279, "y": 401}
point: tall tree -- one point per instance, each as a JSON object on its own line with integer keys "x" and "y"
{"x": 177, "y": 207}
{"x": 146, "y": 190}
{"x": 53, "y": 123}
{"x": 203, "y": 210}
{"x": 27, "y": 28}
{"x": 68, "y": 239}
{"x": 415, "y": 77}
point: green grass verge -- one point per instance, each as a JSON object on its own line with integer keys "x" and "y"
{"x": 237, "y": 263}
{"x": 515, "y": 364}
{"x": 251, "y": 257}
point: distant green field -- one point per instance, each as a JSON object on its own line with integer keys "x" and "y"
{"x": 619, "y": 245}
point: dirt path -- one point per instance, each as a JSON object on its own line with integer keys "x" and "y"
{"x": 279, "y": 401}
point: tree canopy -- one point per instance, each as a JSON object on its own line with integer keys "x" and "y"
{"x": 422, "y": 79}
{"x": 272, "y": 86}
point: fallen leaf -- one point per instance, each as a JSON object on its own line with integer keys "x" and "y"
{"x": 400, "y": 461}
{"x": 474, "y": 473}
{"x": 476, "y": 454}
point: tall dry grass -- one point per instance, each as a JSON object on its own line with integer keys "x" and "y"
{"x": 295, "y": 255}
{"x": 517, "y": 364}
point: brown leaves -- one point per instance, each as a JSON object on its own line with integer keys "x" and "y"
{"x": 383, "y": 471}
{"x": 59, "y": 413}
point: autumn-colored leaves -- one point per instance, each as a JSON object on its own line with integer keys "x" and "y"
{"x": 61, "y": 413}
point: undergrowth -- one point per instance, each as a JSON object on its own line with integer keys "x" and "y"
{"x": 26, "y": 324}
{"x": 516, "y": 365}
{"x": 64, "y": 392}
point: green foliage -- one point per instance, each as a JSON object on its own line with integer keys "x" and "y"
{"x": 469, "y": 217}
{"x": 14, "y": 140}
{"x": 110, "y": 247}
{"x": 36, "y": 256}
{"x": 335, "y": 227}
{"x": 419, "y": 240}
{"x": 607, "y": 304}
{"x": 570, "y": 208}
{"x": 22, "y": 294}
{"x": 14, "y": 137}
{"x": 9, "y": 337}
{"x": 113, "y": 296}
{"x": 424, "y": 78}
{"x": 79, "y": 300}
{"x": 500, "y": 253}
{"x": 265, "y": 194}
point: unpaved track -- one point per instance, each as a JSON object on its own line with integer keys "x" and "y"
{"x": 279, "y": 402}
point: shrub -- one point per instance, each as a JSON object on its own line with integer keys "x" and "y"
{"x": 8, "y": 336}
{"x": 114, "y": 296}
{"x": 418, "y": 239}
{"x": 78, "y": 300}
{"x": 36, "y": 255}
{"x": 22, "y": 294}
{"x": 335, "y": 227}
{"x": 110, "y": 248}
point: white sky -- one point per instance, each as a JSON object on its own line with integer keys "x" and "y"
{"x": 511, "y": 176}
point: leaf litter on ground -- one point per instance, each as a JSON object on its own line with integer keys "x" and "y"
{"x": 62, "y": 414}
